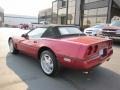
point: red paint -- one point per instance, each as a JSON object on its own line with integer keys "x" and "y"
{"x": 75, "y": 48}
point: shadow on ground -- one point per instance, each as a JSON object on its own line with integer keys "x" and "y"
{"x": 29, "y": 71}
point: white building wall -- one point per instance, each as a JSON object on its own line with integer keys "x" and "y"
{"x": 17, "y": 19}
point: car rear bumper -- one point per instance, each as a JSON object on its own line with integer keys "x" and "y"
{"x": 86, "y": 64}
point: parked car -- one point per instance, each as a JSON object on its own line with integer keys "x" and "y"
{"x": 44, "y": 22}
{"x": 95, "y": 30}
{"x": 24, "y": 26}
{"x": 57, "y": 46}
{"x": 113, "y": 30}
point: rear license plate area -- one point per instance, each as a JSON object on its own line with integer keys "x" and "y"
{"x": 103, "y": 52}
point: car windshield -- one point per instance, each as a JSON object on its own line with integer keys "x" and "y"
{"x": 98, "y": 26}
{"x": 36, "y": 33}
{"x": 115, "y": 23}
{"x": 70, "y": 31}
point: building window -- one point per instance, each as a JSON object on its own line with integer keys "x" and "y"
{"x": 71, "y": 12}
{"x": 92, "y": 21}
{"x": 71, "y": 15}
{"x": 62, "y": 3}
{"x": 93, "y": 16}
{"x": 54, "y": 14}
{"x": 102, "y": 11}
{"x": 71, "y": 3}
{"x": 62, "y": 16}
{"x": 92, "y": 12}
{"x": 101, "y": 19}
{"x": 54, "y": 6}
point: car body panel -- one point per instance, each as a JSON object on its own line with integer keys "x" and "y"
{"x": 112, "y": 30}
{"x": 71, "y": 48}
{"x": 71, "y": 52}
{"x": 88, "y": 40}
{"x": 94, "y": 30}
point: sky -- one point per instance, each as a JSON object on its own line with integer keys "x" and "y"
{"x": 25, "y": 7}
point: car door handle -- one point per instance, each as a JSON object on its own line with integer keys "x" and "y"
{"x": 35, "y": 41}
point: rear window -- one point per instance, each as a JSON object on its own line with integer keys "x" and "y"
{"x": 69, "y": 30}
{"x": 115, "y": 23}
{"x": 99, "y": 26}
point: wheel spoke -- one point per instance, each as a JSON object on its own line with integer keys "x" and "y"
{"x": 11, "y": 46}
{"x": 47, "y": 63}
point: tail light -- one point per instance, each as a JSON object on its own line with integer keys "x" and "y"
{"x": 95, "y": 48}
{"x": 89, "y": 50}
{"x": 110, "y": 44}
{"x": 92, "y": 49}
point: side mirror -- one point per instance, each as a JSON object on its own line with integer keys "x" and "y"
{"x": 25, "y": 36}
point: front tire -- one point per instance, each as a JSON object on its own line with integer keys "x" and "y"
{"x": 49, "y": 63}
{"x": 12, "y": 48}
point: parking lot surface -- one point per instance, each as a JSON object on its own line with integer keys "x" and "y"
{"x": 20, "y": 72}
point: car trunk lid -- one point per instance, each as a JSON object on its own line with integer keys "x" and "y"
{"x": 88, "y": 40}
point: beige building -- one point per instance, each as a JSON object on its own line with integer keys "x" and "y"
{"x": 1, "y": 16}
{"x": 84, "y": 12}
{"x": 45, "y": 15}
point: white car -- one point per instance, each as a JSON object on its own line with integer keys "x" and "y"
{"x": 95, "y": 30}
{"x": 44, "y": 22}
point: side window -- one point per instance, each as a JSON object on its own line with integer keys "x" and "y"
{"x": 48, "y": 33}
{"x": 51, "y": 33}
{"x": 37, "y": 33}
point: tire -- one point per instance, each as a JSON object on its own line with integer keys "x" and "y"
{"x": 95, "y": 34}
{"x": 49, "y": 64}
{"x": 13, "y": 50}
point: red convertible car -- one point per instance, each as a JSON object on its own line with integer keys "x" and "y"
{"x": 57, "y": 46}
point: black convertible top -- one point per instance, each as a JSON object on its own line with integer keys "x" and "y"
{"x": 55, "y": 25}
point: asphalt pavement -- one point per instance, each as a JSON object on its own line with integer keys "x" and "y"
{"x": 20, "y": 72}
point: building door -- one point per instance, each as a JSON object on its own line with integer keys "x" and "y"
{"x": 63, "y": 20}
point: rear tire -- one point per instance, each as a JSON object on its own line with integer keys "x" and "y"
{"x": 95, "y": 34}
{"x": 49, "y": 64}
{"x": 13, "y": 50}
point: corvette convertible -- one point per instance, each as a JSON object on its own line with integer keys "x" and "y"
{"x": 56, "y": 46}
